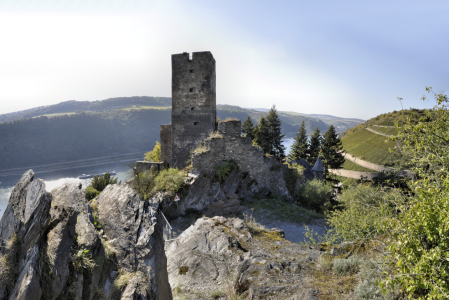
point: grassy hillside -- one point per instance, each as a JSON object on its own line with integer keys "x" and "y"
{"x": 370, "y": 147}
{"x": 373, "y": 147}
{"x": 349, "y": 165}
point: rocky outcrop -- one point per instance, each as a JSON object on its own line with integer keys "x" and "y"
{"x": 223, "y": 254}
{"x": 58, "y": 245}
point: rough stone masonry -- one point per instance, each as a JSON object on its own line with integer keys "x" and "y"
{"x": 193, "y": 107}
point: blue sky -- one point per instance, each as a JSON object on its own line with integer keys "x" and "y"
{"x": 344, "y": 58}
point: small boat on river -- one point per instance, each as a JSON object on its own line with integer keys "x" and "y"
{"x": 87, "y": 176}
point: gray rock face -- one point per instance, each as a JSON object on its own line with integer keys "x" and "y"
{"x": 219, "y": 252}
{"x": 131, "y": 227}
{"x": 27, "y": 216}
{"x": 55, "y": 235}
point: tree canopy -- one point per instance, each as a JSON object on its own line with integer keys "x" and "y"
{"x": 314, "y": 146}
{"x": 300, "y": 145}
{"x": 331, "y": 151}
{"x": 275, "y": 135}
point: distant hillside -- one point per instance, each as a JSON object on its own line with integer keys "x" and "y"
{"x": 73, "y": 106}
{"x": 340, "y": 124}
{"x": 375, "y": 148}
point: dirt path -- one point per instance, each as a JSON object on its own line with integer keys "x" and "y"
{"x": 377, "y": 132}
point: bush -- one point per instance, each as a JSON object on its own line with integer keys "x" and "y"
{"x": 362, "y": 213}
{"x": 343, "y": 266}
{"x": 151, "y": 182}
{"x": 98, "y": 184}
{"x": 314, "y": 194}
{"x": 91, "y": 193}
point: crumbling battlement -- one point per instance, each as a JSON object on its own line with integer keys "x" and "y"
{"x": 266, "y": 172}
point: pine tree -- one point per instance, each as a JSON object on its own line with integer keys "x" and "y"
{"x": 315, "y": 146}
{"x": 275, "y": 136}
{"x": 262, "y": 135}
{"x": 330, "y": 149}
{"x": 300, "y": 145}
{"x": 248, "y": 128}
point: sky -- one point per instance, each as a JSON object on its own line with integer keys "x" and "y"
{"x": 344, "y": 58}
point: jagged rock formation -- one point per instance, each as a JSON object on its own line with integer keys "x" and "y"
{"x": 58, "y": 246}
{"x": 221, "y": 254}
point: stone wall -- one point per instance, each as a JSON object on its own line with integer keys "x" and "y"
{"x": 166, "y": 143}
{"x": 265, "y": 173}
{"x": 193, "y": 103}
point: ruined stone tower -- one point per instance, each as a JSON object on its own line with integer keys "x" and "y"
{"x": 193, "y": 107}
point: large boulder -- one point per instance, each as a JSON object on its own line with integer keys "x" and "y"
{"x": 221, "y": 254}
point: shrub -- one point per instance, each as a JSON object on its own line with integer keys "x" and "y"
{"x": 362, "y": 213}
{"x": 343, "y": 266}
{"x": 315, "y": 194}
{"x": 98, "y": 184}
{"x": 225, "y": 169}
{"x": 91, "y": 193}
{"x": 169, "y": 180}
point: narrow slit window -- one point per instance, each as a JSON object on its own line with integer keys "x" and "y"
{"x": 195, "y": 123}
{"x": 191, "y": 90}
{"x": 191, "y": 71}
{"x": 192, "y": 108}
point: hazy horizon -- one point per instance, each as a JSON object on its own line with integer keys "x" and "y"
{"x": 348, "y": 59}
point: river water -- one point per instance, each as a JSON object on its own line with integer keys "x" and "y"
{"x": 56, "y": 178}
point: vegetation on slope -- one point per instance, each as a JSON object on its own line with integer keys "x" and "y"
{"x": 349, "y": 165}
{"x": 369, "y": 146}
{"x": 386, "y": 130}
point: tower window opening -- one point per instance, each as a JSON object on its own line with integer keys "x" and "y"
{"x": 195, "y": 123}
{"x": 191, "y": 90}
{"x": 192, "y": 108}
{"x": 191, "y": 70}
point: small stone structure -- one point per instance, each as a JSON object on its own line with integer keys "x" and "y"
{"x": 193, "y": 107}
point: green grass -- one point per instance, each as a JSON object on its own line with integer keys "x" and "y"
{"x": 346, "y": 181}
{"x": 385, "y": 130}
{"x": 369, "y": 146}
{"x": 134, "y": 107}
{"x": 283, "y": 210}
{"x": 57, "y": 115}
{"x": 349, "y": 165}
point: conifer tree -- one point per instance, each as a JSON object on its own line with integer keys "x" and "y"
{"x": 248, "y": 128}
{"x": 330, "y": 149}
{"x": 300, "y": 145}
{"x": 315, "y": 146}
{"x": 275, "y": 136}
{"x": 262, "y": 135}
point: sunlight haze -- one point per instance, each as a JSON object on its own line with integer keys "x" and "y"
{"x": 346, "y": 58}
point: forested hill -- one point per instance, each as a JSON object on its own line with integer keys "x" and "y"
{"x": 73, "y": 106}
{"x": 75, "y": 130}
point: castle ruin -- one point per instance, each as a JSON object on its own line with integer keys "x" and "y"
{"x": 194, "y": 111}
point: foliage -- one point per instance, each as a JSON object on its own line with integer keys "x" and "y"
{"x": 82, "y": 259}
{"x": 262, "y": 133}
{"x": 276, "y": 148}
{"x": 150, "y": 182}
{"x": 98, "y": 184}
{"x": 224, "y": 169}
{"x": 331, "y": 151}
{"x": 315, "y": 146}
{"x": 154, "y": 155}
{"x": 362, "y": 213}
{"x": 300, "y": 147}
{"x": 91, "y": 193}
{"x": 418, "y": 245}
{"x": 343, "y": 266}
{"x": 248, "y": 128}
{"x": 315, "y": 194}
